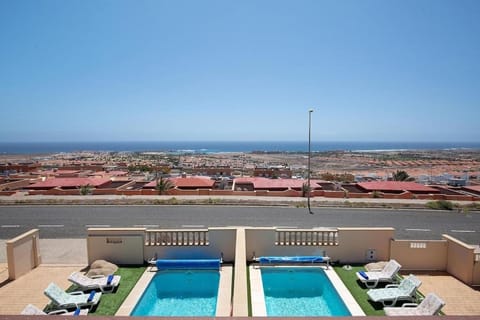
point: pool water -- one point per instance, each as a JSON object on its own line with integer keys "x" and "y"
{"x": 299, "y": 291}
{"x": 180, "y": 293}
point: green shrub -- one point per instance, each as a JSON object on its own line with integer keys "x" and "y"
{"x": 440, "y": 205}
{"x": 376, "y": 194}
{"x": 172, "y": 201}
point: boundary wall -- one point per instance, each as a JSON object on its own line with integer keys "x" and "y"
{"x": 23, "y": 254}
{"x": 136, "y": 245}
{"x": 462, "y": 261}
{"x": 342, "y": 245}
{"x": 420, "y": 254}
{"x": 349, "y": 245}
{"x": 260, "y": 193}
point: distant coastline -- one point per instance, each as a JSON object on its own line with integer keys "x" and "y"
{"x": 225, "y": 146}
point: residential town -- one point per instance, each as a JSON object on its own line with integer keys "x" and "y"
{"x": 438, "y": 175}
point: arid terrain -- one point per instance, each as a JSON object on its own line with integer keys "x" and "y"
{"x": 417, "y": 163}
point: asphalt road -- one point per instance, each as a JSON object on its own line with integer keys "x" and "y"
{"x": 72, "y": 221}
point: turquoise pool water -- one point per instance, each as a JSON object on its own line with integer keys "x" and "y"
{"x": 180, "y": 293}
{"x": 300, "y": 291}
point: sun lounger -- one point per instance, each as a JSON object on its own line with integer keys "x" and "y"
{"x": 373, "y": 278}
{"x": 71, "y": 300}
{"x": 429, "y": 306}
{"x": 105, "y": 284}
{"x": 388, "y": 296}
{"x": 31, "y": 310}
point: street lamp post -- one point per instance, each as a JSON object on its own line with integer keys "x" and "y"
{"x": 309, "y": 157}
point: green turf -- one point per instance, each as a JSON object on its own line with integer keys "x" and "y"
{"x": 111, "y": 302}
{"x": 358, "y": 291}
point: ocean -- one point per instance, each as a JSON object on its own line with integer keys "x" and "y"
{"x": 224, "y": 146}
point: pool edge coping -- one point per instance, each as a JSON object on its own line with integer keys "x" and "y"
{"x": 348, "y": 299}
{"x": 223, "y": 307}
{"x": 258, "y": 298}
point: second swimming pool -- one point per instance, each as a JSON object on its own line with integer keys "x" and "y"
{"x": 300, "y": 292}
{"x": 180, "y": 293}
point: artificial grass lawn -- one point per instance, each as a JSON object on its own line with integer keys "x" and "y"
{"x": 111, "y": 302}
{"x": 358, "y": 291}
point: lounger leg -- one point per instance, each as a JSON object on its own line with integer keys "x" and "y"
{"x": 391, "y": 304}
{"x": 370, "y": 284}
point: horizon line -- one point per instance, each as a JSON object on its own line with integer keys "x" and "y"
{"x": 234, "y": 140}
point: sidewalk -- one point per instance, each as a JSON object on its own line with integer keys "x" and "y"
{"x": 56, "y": 251}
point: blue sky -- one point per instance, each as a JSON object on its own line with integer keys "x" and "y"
{"x": 83, "y": 70}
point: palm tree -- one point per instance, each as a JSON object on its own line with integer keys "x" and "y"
{"x": 163, "y": 185}
{"x": 85, "y": 190}
{"x": 305, "y": 189}
{"x": 401, "y": 175}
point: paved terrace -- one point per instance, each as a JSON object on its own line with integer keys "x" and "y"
{"x": 63, "y": 256}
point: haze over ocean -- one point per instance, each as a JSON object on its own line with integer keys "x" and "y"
{"x": 224, "y": 146}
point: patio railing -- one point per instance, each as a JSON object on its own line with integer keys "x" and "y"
{"x": 195, "y": 237}
{"x": 297, "y": 237}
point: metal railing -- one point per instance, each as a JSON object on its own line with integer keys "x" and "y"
{"x": 195, "y": 237}
{"x": 306, "y": 237}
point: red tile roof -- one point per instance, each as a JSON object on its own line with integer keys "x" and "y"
{"x": 266, "y": 183}
{"x": 61, "y": 171}
{"x": 188, "y": 182}
{"x": 69, "y": 183}
{"x": 474, "y": 188}
{"x": 396, "y": 186}
{"x": 191, "y": 182}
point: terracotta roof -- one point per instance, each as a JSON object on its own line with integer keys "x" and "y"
{"x": 266, "y": 183}
{"x": 69, "y": 182}
{"x": 62, "y": 171}
{"x": 474, "y": 188}
{"x": 188, "y": 182}
{"x": 191, "y": 182}
{"x": 117, "y": 173}
{"x": 395, "y": 186}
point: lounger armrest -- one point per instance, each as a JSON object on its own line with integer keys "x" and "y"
{"x": 98, "y": 276}
{"x": 76, "y": 293}
{"x": 409, "y": 305}
{"x": 391, "y": 285}
{"x": 59, "y": 311}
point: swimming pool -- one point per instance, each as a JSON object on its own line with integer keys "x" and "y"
{"x": 299, "y": 291}
{"x": 180, "y": 293}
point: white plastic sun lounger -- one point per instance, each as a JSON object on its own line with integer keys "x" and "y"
{"x": 392, "y": 293}
{"x": 373, "y": 278}
{"x": 32, "y": 310}
{"x": 429, "y": 306}
{"x": 103, "y": 283}
{"x": 71, "y": 300}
